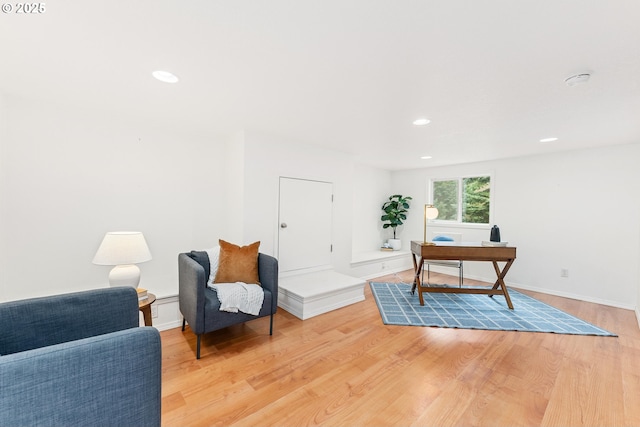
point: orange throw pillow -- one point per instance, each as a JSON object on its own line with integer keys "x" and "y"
{"x": 238, "y": 263}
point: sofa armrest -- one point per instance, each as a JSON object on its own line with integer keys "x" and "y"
{"x": 268, "y": 271}
{"x": 112, "y": 379}
{"x": 40, "y": 322}
{"x": 191, "y": 285}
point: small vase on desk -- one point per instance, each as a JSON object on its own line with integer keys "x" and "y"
{"x": 495, "y": 234}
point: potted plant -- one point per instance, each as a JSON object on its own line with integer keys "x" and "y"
{"x": 395, "y": 212}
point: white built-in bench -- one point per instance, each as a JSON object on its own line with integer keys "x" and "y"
{"x": 368, "y": 265}
{"x": 310, "y": 294}
{"x": 375, "y": 256}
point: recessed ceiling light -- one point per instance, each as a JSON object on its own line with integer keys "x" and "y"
{"x": 165, "y": 76}
{"x": 426, "y": 157}
{"x": 421, "y": 122}
{"x": 548, "y": 139}
{"x": 577, "y": 79}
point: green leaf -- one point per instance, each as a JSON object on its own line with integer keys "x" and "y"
{"x": 395, "y": 211}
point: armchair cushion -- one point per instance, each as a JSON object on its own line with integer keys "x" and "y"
{"x": 238, "y": 263}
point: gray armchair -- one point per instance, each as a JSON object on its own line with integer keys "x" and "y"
{"x": 79, "y": 359}
{"x": 199, "y": 304}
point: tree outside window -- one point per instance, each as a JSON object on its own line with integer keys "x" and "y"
{"x": 445, "y": 198}
{"x": 464, "y": 200}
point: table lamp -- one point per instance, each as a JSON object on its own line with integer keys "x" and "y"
{"x": 430, "y": 212}
{"x": 123, "y": 249}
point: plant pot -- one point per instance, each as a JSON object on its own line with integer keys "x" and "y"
{"x": 395, "y": 244}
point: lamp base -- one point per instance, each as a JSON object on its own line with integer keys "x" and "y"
{"x": 428, "y": 244}
{"x": 124, "y": 275}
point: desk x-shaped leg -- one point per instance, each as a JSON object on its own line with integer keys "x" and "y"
{"x": 500, "y": 282}
{"x": 417, "y": 269}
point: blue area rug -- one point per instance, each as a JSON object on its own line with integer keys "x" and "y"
{"x": 472, "y": 311}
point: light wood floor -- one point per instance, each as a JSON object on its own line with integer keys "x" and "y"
{"x": 346, "y": 368}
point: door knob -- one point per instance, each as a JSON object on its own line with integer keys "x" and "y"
{"x": 283, "y": 225}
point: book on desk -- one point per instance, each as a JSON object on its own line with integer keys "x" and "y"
{"x": 142, "y": 294}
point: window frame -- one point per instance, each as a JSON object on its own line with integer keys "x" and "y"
{"x": 460, "y": 178}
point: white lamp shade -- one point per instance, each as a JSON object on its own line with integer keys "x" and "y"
{"x": 122, "y": 248}
{"x": 430, "y": 212}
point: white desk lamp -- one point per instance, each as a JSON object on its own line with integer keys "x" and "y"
{"x": 123, "y": 249}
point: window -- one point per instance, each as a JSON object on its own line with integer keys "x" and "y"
{"x": 465, "y": 200}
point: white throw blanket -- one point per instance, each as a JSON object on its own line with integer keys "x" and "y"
{"x": 240, "y": 296}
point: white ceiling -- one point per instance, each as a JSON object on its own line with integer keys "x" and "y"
{"x": 348, "y": 75}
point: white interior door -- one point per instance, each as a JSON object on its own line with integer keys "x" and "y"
{"x": 305, "y": 217}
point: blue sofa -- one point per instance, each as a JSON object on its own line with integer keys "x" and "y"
{"x": 79, "y": 359}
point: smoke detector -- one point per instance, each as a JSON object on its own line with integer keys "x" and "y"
{"x": 577, "y": 79}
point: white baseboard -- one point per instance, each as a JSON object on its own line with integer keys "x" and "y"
{"x": 374, "y": 256}
{"x": 170, "y": 325}
{"x": 386, "y": 271}
{"x": 547, "y": 291}
{"x": 168, "y": 313}
{"x": 369, "y": 265}
{"x": 570, "y": 295}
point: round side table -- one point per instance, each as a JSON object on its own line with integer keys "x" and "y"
{"x": 145, "y": 307}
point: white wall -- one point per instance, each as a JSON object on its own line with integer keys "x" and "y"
{"x": 372, "y": 187}
{"x": 577, "y": 210}
{"x": 3, "y": 183}
{"x": 638, "y": 282}
{"x": 78, "y": 174}
{"x": 267, "y": 158}
{"x": 69, "y": 176}
{"x": 234, "y": 182}
{"x": 359, "y": 192}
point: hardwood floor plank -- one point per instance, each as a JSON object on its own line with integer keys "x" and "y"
{"x": 630, "y": 367}
{"x": 346, "y": 368}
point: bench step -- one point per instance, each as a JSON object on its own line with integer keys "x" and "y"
{"x": 310, "y": 294}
